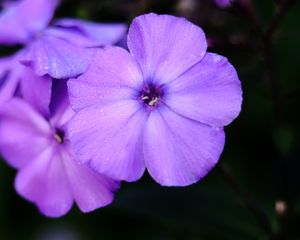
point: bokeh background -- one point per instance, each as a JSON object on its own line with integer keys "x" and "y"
{"x": 254, "y": 192}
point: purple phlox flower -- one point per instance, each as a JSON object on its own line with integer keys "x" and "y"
{"x": 61, "y": 50}
{"x": 38, "y": 146}
{"x": 160, "y": 106}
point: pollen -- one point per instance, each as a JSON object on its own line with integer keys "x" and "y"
{"x": 59, "y": 136}
{"x": 151, "y": 95}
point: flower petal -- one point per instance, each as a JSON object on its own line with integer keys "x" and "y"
{"x": 165, "y": 46}
{"x": 91, "y": 190}
{"x": 23, "y": 133}
{"x": 22, "y": 20}
{"x": 10, "y": 71}
{"x": 44, "y": 182}
{"x": 61, "y": 111}
{"x": 108, "y": 137}
{"x": 57, "y": 57}
{"x": 179, "y": 151}
{"x": 89, "y": 34}
{"x": 210, "y": 92}
{"x": 112, "y": 76}
{"x": 36, "y": 90}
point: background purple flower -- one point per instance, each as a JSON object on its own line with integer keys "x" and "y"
{"x": 61, "y": 50}
{"x": 20, "y": 23}
{"x": 48, "y": 174}
{"x": 161, "y": 107}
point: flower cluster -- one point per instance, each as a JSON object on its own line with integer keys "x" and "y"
{"x": 78, "y": 115}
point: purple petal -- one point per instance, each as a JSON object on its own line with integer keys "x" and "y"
{"x": 10, "y": 70}
{"x": 108, "y": 137}
{"x": 36, "y": 90}
{"x": 5, "y": 65}
{"x": 22, "y": 20}
{"x": 112, "y": 76}
{"x": 89, "y": 34}
{"x": 54, "y": 180}
{"x": 210, "y": 92}
{"x": 165, "y": 46}
{"x": 44, "y": 182}
{"x": 61, "y": 111}
{"x": 23, "y": 133}
{"x": 179, "y": 151}
{"x": 32, "y": 87}
{"x": 91, "y": 190}
{"x": 57, "y": 57}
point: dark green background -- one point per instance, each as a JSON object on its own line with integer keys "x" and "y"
{"x": 261, "y": 152}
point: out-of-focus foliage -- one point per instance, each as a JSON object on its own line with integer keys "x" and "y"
{"x": 261, "y": 152}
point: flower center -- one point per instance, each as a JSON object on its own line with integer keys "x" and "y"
{"x": 59, "y": 136}
{"x": 151, "y": 95}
